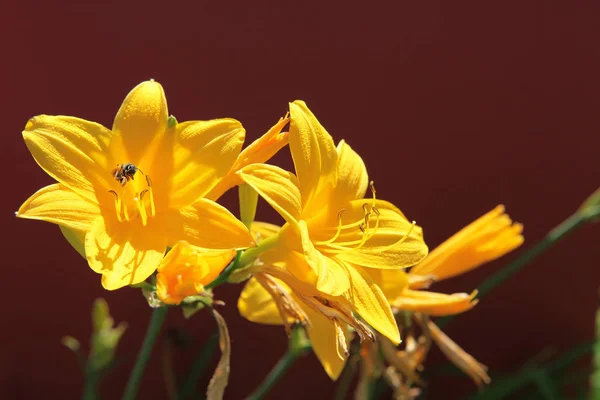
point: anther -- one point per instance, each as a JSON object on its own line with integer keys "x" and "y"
{"x": 117, "y": 204}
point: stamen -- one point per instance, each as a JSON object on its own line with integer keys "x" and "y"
{"x": 337, "y": 232}
{"x": 372, "y": 186}
{"x": 142, "y": 210}
{"x": 372, "y": 231}
{"x": 117, "y": 205}
{"x": 152, "y": 207}
{"x": 126, "y": 213}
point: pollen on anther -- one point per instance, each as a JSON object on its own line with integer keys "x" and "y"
{"x": 16, "y": 213}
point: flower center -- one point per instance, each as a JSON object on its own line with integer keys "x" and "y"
{"x": 133, "y": 199}
{"x": 368, "y": 225}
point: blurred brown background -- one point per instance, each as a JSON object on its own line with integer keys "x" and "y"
{"x": 455, "y": 107}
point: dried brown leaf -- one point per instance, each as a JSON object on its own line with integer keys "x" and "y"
{"x": 220, "y": 377}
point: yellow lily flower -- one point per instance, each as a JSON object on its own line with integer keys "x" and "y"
{"x": 129, "y": 192}
{"x": 330, "y": 242}
{"x": 487, "y": 238}
{"x": 186, "y": 269}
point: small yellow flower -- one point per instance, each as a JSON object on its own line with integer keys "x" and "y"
{"x": 124, "y": 195}
{"x": 332, "y": 242}
{"x": 186, "y": 269}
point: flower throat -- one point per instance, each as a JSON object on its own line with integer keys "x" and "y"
{"x": 131, "y": 196}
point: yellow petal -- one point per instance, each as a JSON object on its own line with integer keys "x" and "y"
{"x": 209, "y": 225}
{"x": 60, "y": 205}
{"x": 391, "y": 281}
{"x": 72, "y": 151}
{"x": 489, "y": 237}
{"x": 315, "y": 158}
{"x": 259, "y": 151}
{"x": 371, "y": 304}
{"x": 140, "y": 120}
{"x": 186, "y": 269}
{"x": 391, "y": 243}
{"x": 332, "y": 278}
{"x": 124, "y": 253}
{"x": 435, "y": 304}
{"x": 278, "y": 187}
{"x": 352, "y": 180}
{"x": 75, "y": 238}
{"x": 323, "y": 336}
{"x": 256, "y": 304}
{"x": 203, "y": 154}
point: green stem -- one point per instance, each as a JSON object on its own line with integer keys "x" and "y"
{"x": 133, "y": 385}
{"x": 252, "y": 253}
{"x": 546, "y": 386}
{"x": 199, "y": 367}
{"x": 243, "y": 259}
{"x": 223, "y": 276}
{"x": 553, "y": 237}
{"x": 90, "y": 388}
{"x": 298, "y": 346}
{"x": 346, "y": 379}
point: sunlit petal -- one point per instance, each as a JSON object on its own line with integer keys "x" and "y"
{"x": 324, "y": 335}
{"x": 141, "y": 120}
{"x": 209, "y": 225}
{"x": 371, "y": 304}
{"x": 73, "y": 151}
{"x": 125, "y": 254}
{"x": 203, "y": 154}
{"x": 391, "y": 281}
{"x": 314, "y": 155}
{"x": 256, "y": 304}
{"x": 60, "y": 205}
{"x": 352, "y": 180}
{"x": 278, "y": 187}
{"x": 434, "y": 304}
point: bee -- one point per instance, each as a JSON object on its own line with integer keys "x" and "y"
{"x": 124, "y": 173}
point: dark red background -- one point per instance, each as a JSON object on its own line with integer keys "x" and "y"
{"x": 455, "y": 107}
